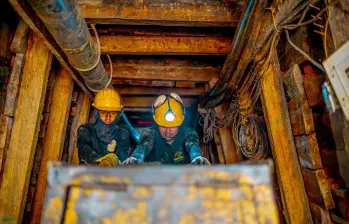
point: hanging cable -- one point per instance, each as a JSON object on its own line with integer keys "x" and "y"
{"x": 99, "y": 55}
{"x": 303, "y": 53}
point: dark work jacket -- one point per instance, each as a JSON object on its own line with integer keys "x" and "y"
{"x": 91, "y": 148}
{"x": 153, "y": 148}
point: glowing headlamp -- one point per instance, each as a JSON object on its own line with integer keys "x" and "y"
{"x": 169, "y": 115}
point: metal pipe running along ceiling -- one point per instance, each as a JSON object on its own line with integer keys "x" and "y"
{"x": 65, "y": 22}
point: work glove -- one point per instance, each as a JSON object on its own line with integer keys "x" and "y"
{"x": 132, "y": 160}
{"x": 200, "y": 160}
{"x": 111, "y": 146}
{"x": 109, "y": 160}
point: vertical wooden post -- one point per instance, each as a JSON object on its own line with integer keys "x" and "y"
{"x": 282, "y": 143}
{"x": 83, "y": 118}
{"x": 19, "y": 162}
{"x": 55, "y": 135}
{"x": 226, "y": 147}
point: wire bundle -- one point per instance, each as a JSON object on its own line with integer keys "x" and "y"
{"x": 251, "y": 138}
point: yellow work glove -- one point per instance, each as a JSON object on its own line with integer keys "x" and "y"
{"x": 111, "y": 146}
{"x": 108, "y": 160}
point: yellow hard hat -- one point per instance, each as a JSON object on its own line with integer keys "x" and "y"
{"x": 108, "y": 100}
{"x": 168, "y": 111}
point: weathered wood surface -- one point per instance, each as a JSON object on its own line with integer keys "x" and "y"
{"x": 75, "y": 112}
{"x": 19, "y": 161}
{"x": 164, "y": 69}
{"x": 20, "y": 40}
{"x": 6, "y": 124}
{"x": 338, "y": 219}
{"x": 157, "y": 45}
{"x": 162, "y": 84}
{"x": 282, "y": 144}
{"x": 83, "y": 119}
{"x": 14, "y": 85}
{"x": 308, "y": 151}
{"x": 226, "y": 136}
{"x": 312, "y": 81}
{"x": 146, "y": 101}
{"x": 219, "y": 147}
{"x": 29, "y": 16}
{"x": 167, "y": 13}
{"x": 339, "y": 28}
{"x": 186, "y": 84}
{"x": 341, "y": 198}
{"x": 216, "y": 194}
{"x": 320, "y": 215}
{"x": 318, "y": 188}
{"x": 135, "y": 90}
{"x": 301, "y": 115}
{"x": 55, "y": 135}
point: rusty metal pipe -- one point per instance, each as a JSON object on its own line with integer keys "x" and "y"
{"x": 64, "y": 21}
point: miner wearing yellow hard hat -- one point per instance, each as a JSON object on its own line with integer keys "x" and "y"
{"x": 104, "y": 142}
{"x": 168, "y": 142}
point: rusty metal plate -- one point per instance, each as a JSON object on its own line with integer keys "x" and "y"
{"x": 160, "y": 194}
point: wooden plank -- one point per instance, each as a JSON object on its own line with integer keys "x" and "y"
{"x": 134, "y": 90}
{"x": 18, "y": 165}
{"x": 163, "y": 68}
{"x": 320, "y": 215}
{"x": 155, "y": 45}
{"x": 162, "y": 84}
{"x": 341, "y": 198}
{"x": 83, "y": 119}
{"x": 186, "y": 84}
{"x": 14, "y": 85}
{"x": 55, "y": 135}
{"x": 167, "y": 13}
{"x": 308, "y": 151}
{"x": 219, "y": 147}
{"x": 301, "y": 115}
{"x": 6, "y": 124}
{"x": 313, "y": 81}
{"x": 146, "y": 101}
{"x": 338, "y": 219}
{"x": 296, "y": 208}
{"x": 141, "y": 82}
{"x": 226, "y": 136}
{"x": 29, "y": 16}
{"x": 74, "y": 127}
{"x": 20, "y": 40}
{"x": 318, "y": 188}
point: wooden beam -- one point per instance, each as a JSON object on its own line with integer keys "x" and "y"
{"x": 157, "y": 45}
{"x": 318, "y": 188}
{"x": 30, "y": 17}
{"x": 288, "y": 171}
{"x": 14, "y": 85}
{"x": 83, "y": 118}
{"x": 146, "y": 101}
{"x": 163, "y": 69}
{"x": 54, "y": 137}
{"x": 134, "y": 90}
{"x": 19, "y": 162}
{"x": 20, "y": 40}
{"x": 168, "y": 13}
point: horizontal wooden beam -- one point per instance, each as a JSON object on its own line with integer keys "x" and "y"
{"x": 168, "y": 13}
{"x": 135, "y": 90}
{"x": 157, "y": 45}
{"x": 141, "y": 101}
{"x": 163, "y": 69}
